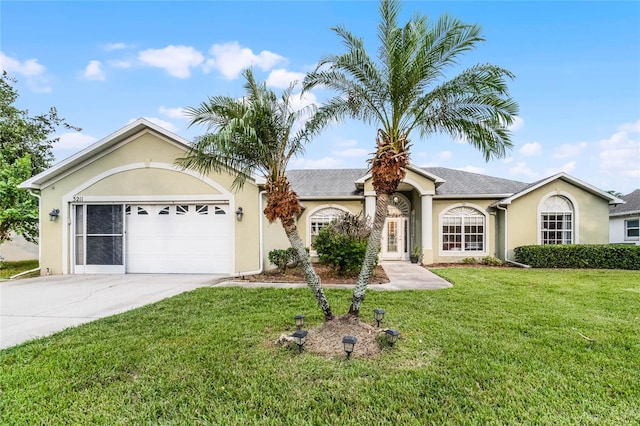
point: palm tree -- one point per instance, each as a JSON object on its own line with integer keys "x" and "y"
{"x": 256, "y": 135}
{"x": 407, "y": 88}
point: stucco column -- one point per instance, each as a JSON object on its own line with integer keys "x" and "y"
{"x": 427, "y": 231}
{"x": 370, "y": 205}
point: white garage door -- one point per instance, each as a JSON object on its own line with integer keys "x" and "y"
{"x": 178, "y": 239}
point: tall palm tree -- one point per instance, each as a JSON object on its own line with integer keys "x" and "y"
{"x": 256, "y": 135}
{"x": 407, "y": 88}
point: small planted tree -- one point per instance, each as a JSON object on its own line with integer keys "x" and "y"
{"x": 343, "y": 243}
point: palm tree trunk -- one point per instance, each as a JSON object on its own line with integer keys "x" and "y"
{"x": 373, "y": 247}
{"x": 310, "y": 276}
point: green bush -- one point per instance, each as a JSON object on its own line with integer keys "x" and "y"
{"x": 469, "y": 261}
{"x": 281, "y": 258}
{"x": 491, "y": 261}
{"x": 590, "y": 256}
{"x": 343, "y": 243}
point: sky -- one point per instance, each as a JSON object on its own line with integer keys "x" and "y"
{"x": 104, "y": 64}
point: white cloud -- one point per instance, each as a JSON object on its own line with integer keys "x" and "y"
{"x": 569, "y": 150}
{"x": 620, "y": 155}
{"x": 566, "y": 168}
{"x": 507, "y": 160}
{"x": 173, "y": 112}
{"x": 472, "y": 169}
{"x": 445, "y": 155}
{"x": 230, "y": 59}
{"x": 322, "y": 163}
{"x": 353, "y": 152}
{"x": 281, "y": 78}
{"x": 74, "y": 141}
{"x": 521, "y": 168}
{"x": 518, "y": 123}
{"x": 115, "y": 46}
{"x": 94, "y": 71}
{"x": 176, "y": 60}
{"x": 28, "y": 68}
{"x": 160, "y": 122}
{"x": 345, "y": 142}
{"x": 31, "y": 69}
{"x": 530, "y": 149}
{"x": 299, "y": 102}
{"x": 119, "y": 63}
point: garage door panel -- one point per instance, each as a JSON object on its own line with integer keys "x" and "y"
{"x": 178, "y": 239}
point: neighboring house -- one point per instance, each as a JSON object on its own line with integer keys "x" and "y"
{"x": 122, "y": 206}
{"x": 18, "y": 249}
{"x": 624, "y": 220}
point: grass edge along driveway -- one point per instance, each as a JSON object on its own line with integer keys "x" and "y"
{"x": 502, "y": 346}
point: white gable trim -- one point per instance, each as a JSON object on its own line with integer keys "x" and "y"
{"x": 577, "y": 182}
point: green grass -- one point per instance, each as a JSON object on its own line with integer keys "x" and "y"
{"x": 9, "y": 269}
{"x": 503, "y": 346}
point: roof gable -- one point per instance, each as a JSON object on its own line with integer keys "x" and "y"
{"x": 100, "y": 148}
{"x": 565, "y": 177}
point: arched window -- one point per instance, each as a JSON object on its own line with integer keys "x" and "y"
{"x": 463, "y": 230}
{"x": 320, "y": 218}
{"x": 556, "y": 221}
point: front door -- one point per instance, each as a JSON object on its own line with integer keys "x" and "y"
{"x": 394, "y": 242}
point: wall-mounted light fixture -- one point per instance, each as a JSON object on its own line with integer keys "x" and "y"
{"x": 239, "y": 214}
{"x": 53, "y": 214}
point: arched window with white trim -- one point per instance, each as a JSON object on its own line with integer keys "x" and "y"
{"x": 556, "y": 221}
{"x": 321, "y": 218}
{"x": 463, "y": 230}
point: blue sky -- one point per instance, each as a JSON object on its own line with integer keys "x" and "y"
{"x": 104, "y": 64}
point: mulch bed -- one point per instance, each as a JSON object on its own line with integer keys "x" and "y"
{"x": 327, "y": 275}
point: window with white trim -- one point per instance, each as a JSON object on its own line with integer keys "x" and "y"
{"x": 556, "y": 221}
{"x": 463, "y": 230}
{"x": 632, "y": 229}
{"x": 322, "y": 218}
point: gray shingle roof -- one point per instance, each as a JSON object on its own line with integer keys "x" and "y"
{"x": 325, "y": 182}
{"x": 632, "y": 205}
{"x": 459, "y": 182}
{"x": 341, "y": 182}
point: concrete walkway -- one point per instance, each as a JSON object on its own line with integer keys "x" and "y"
{"x": 402, "y": 276}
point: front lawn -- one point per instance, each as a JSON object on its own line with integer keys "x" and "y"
{"x": 9, "y": 269}
{"x": 503, "y": 346}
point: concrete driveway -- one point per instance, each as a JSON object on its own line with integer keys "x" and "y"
{"x": 41, "y": 306}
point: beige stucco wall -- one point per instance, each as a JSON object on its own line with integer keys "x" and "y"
{"x": 142, "y": 166}
{"x": 591, "y": 216}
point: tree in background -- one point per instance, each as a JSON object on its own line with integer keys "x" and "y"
{"x": 256, "y": 135}
{"x": 25, "y": 150}
{"x": 407, "y": 88}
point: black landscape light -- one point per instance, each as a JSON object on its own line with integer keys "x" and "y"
{"x": 299, "y": 319}
{"x": 392, "y": 335}
{"x": 378, "y": 314}
{"x": 300, "y": 338}
{"x": 349, "y": 342}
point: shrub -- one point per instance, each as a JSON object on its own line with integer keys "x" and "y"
{"x": 343, "y": 243}
{"x": 469, "y": 260}
{"x": 491, "y": 261}
{"x": 591, "y": 256}
{"x": 281, "y": 258}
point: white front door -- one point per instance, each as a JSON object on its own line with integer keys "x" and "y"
{"x": 394, "y": 242}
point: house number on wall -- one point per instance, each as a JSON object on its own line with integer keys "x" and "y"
{"x": 77, "y": 199}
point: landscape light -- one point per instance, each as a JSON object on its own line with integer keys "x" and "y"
{"x": 300, "y": 338}
{"x": 349, "y": 342}
{"x": 299, "y": 319}
{"x": 392, "y": 335}
{"x": 378, "y": 314}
